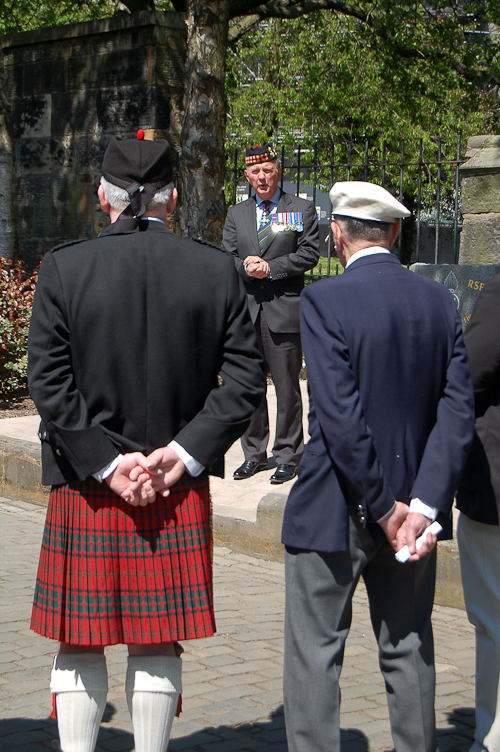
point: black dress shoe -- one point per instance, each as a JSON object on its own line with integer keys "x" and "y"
{"x": 249, "y": 468}
{"x": 284, "y": 473}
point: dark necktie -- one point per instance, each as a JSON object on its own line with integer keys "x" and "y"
{"x": 265, "y": 224}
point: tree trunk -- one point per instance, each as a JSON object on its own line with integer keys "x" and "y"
{"x": 204, "y": 121}
{"x": 8, "y": 233}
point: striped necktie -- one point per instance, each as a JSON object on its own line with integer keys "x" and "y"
{"x": 265, "y": 224}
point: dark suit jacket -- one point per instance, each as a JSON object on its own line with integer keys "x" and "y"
{"x": 128, "y": 336}
{"x": 289, "y": 255}
{"x": 391, "y": 401}
{"x": 479, "y": 491}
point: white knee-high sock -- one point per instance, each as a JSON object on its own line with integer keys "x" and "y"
{"x": 153, "y": 685}
{"x": 80, "y": 683}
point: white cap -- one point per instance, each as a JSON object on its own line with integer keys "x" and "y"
{"x": 368, "y": 201}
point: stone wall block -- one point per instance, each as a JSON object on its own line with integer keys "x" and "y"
{"x": 13, "y": 80}
{"x": 33, "y": 54}
{"x": 73, "y": 113}
{"x": 119, "y": 108}
{"x": 32, "y": 189}
{"x": 480, "y": 194}
{"x": 78, "y": 72}
{"x": 480, "y": 239}
{"x": 117, "y": 69}
{"x": 81, "y": 47}
{"x": 44, "y": 77}
{"x": 102, "y": 45}
{"x": 24, "y": 220}
{"x": 163, "y": 107}
{"x": 89, "y": 153}
{"x": 169, "y": 69}
{"x": 57, "y": 220}
{"x": 143, "y": 36}
{"x": 64, "y": 189}
{"x": 32, "y": 116}
{"x": 84, "y": 201}
{"x": 38, "y": 155}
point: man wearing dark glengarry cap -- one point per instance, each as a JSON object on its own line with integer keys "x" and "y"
{"x": 130, "y": 336}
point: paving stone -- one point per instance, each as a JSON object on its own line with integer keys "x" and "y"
{"x": 233, "y": 680}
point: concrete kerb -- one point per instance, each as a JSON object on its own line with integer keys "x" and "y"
{"x": 20, "y": 475}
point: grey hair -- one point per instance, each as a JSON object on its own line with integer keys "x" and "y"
{"x": 364, "y": 229}
{"x": 119, "y": 199}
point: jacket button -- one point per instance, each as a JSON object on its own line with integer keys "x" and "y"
{"x": 361, "y": 517}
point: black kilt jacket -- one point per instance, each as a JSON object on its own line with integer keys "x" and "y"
{"x": 129, "y": 335}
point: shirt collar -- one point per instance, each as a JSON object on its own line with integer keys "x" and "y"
{"x": 274, "y": 199}
{"x": 366, "y": 252}
{"x": 152, "y": 219}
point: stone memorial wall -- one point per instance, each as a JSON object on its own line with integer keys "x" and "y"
{"x": 71, "y": 88}
{"x": 464, "y": 282}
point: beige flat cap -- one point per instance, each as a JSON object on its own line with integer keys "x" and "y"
{"x": 366, "y": 201}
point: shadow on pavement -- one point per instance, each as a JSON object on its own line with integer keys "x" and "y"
{"x": 460, "y": 737}
{"x": 36, "y": 735}
{"x": 30, "y": 735}
{"x": 268, "y": 735}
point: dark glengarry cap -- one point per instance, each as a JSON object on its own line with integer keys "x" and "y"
{"x": 260, "y": 154}
{"x": 140, "y": 167}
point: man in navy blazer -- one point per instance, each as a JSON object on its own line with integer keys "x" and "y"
{"x": 391, "y": 420}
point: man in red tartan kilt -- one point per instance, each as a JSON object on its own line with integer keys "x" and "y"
{"x": 144, "y": 368}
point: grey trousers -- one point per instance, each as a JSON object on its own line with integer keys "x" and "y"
{"x": 479, "y": 547}
{"x": 318, "y": 612}
{"x": 282, "y": 355}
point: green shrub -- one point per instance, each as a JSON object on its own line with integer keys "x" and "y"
{"x": 16, "y": 299}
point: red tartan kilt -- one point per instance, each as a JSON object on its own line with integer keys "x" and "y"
{"x": 113, "y": 573}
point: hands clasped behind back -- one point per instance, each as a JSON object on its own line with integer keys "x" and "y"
{"x": 138, "y": 479}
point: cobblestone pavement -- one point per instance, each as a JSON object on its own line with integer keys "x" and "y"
{"x": 232, "y": 682}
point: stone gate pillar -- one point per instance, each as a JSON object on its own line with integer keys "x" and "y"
{"x": 480, "y": 200}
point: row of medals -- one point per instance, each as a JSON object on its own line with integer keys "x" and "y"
{"x": 295, "y": 225}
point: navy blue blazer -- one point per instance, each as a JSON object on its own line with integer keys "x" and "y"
{"x": 391, "y": 401}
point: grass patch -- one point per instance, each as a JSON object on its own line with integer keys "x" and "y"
{"x": 320, "y": 271}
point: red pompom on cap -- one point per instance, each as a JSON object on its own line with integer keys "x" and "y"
{"x": 140, "y": 134}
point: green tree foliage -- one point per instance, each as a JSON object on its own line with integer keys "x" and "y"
{"x": 328, "y": 75}
{"x": 25, "y": 15}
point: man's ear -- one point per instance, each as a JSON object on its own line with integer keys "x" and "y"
{"x": 172, "y": 201}
{"x": 105, "y": 205}
{"x": 336, "y": 232}
{"x": 394, "y": 233}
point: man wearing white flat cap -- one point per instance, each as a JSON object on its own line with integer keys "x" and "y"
{"x": 391, "y": 420}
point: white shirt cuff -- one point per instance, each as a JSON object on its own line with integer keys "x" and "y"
{"x": 416, "y": 505}
{"x": 193, "y": 467}
{"x": 105, "y": 471}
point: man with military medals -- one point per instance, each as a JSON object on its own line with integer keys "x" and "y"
{"x": 274, "y": 239}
